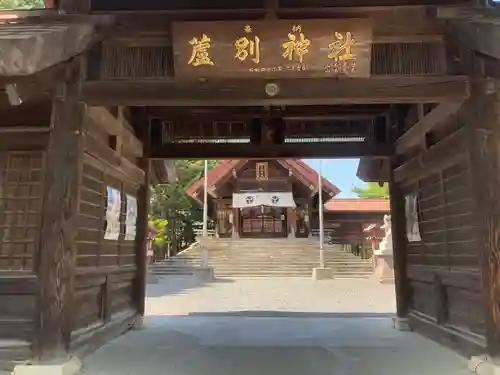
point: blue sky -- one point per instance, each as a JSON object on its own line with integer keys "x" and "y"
{"x": 340, "y": 172}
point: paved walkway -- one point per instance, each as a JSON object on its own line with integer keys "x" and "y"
{"x": 278, "y": 327}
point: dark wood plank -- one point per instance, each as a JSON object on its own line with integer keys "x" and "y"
{"x": 59, "y": 226}
{"x": 24, "y": 283}
{"x": 462, "y": 280}
{"x": 287, "y": 150}
{"x": 433, "y": 120}
{"x": 244, "y": 92}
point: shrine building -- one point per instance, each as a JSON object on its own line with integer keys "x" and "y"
{"x": 279, "y": 198}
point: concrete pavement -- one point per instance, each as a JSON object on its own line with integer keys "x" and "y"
{"x": 221, "y": 328}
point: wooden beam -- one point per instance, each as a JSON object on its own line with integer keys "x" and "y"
{"x": 252, "y": 151}
{"x": 300, "y": 91}
{"x": 436, "y": 118}
{"x": 435, "y": 158}
{"x": 388, "y": 21}
{"x": 246, "y": 112}
{"x": 164, "y": 114}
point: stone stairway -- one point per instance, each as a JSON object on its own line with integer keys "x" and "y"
{"x": 265, "y": 258}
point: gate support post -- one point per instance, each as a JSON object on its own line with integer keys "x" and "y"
{"x": 141, "y": 239}
{"x": 482, "y": 120}
{"x": 141, "y": 243}
{"x": 55, "y": 309}
{"x": 399, "y": 250}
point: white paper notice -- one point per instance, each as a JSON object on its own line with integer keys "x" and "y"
{"x": 113, "y": 214}
{"x": 131, "y": 219}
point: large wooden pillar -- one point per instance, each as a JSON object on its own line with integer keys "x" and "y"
{"x": 142, "y": 239}
{"x": 482, "y": 121}
{"x": 398, "y": 227}
{"x": 57, "y": 252}
{"x": 143, "y": 201}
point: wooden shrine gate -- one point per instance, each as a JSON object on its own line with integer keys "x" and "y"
{"x": 97, "y": 94}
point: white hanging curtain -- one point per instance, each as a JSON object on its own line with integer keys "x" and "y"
{"x": 278, "y": 199}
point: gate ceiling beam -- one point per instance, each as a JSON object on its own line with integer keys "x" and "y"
{"x": 320, "y": 113}
{"x": 283, "y": 151}
{"x": 299, "y": 91}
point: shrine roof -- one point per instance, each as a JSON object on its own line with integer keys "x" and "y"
{"x": 358, "y": 205}
{"x": 298, "y": 167}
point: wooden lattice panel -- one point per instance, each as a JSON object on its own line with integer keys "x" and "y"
{"x": 408, "y": 59}
{"x": 20, "y": 208}
{"x": 124, "y": 62}
{"x": 118, "y": 61}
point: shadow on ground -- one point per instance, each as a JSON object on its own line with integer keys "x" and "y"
{"x": 288, "y": 343}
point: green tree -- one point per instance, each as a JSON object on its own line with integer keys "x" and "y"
{"x": 21, "y": 4}
{"x": 160, "y": 225}
{"x": 170, "y": 202}
{"x": 172, "y": 196}
{"x": 373, "y": 190}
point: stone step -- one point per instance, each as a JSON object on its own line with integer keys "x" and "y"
{"x": 265, "y": 258}
{"x": 260, "y": 256}
{"x": 270, "y": 269}
{"x": 256, "y": 265}
{"x": 337, "y": 275}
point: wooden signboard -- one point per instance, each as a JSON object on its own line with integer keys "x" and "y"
{"x": 277, "y": 48}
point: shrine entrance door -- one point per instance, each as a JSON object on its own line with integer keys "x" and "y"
{"x": 263, "y": 222}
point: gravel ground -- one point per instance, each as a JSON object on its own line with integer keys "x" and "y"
{"x": 179, "y": 296}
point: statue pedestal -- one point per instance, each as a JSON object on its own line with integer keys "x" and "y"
{"x": 384, "y": 267}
